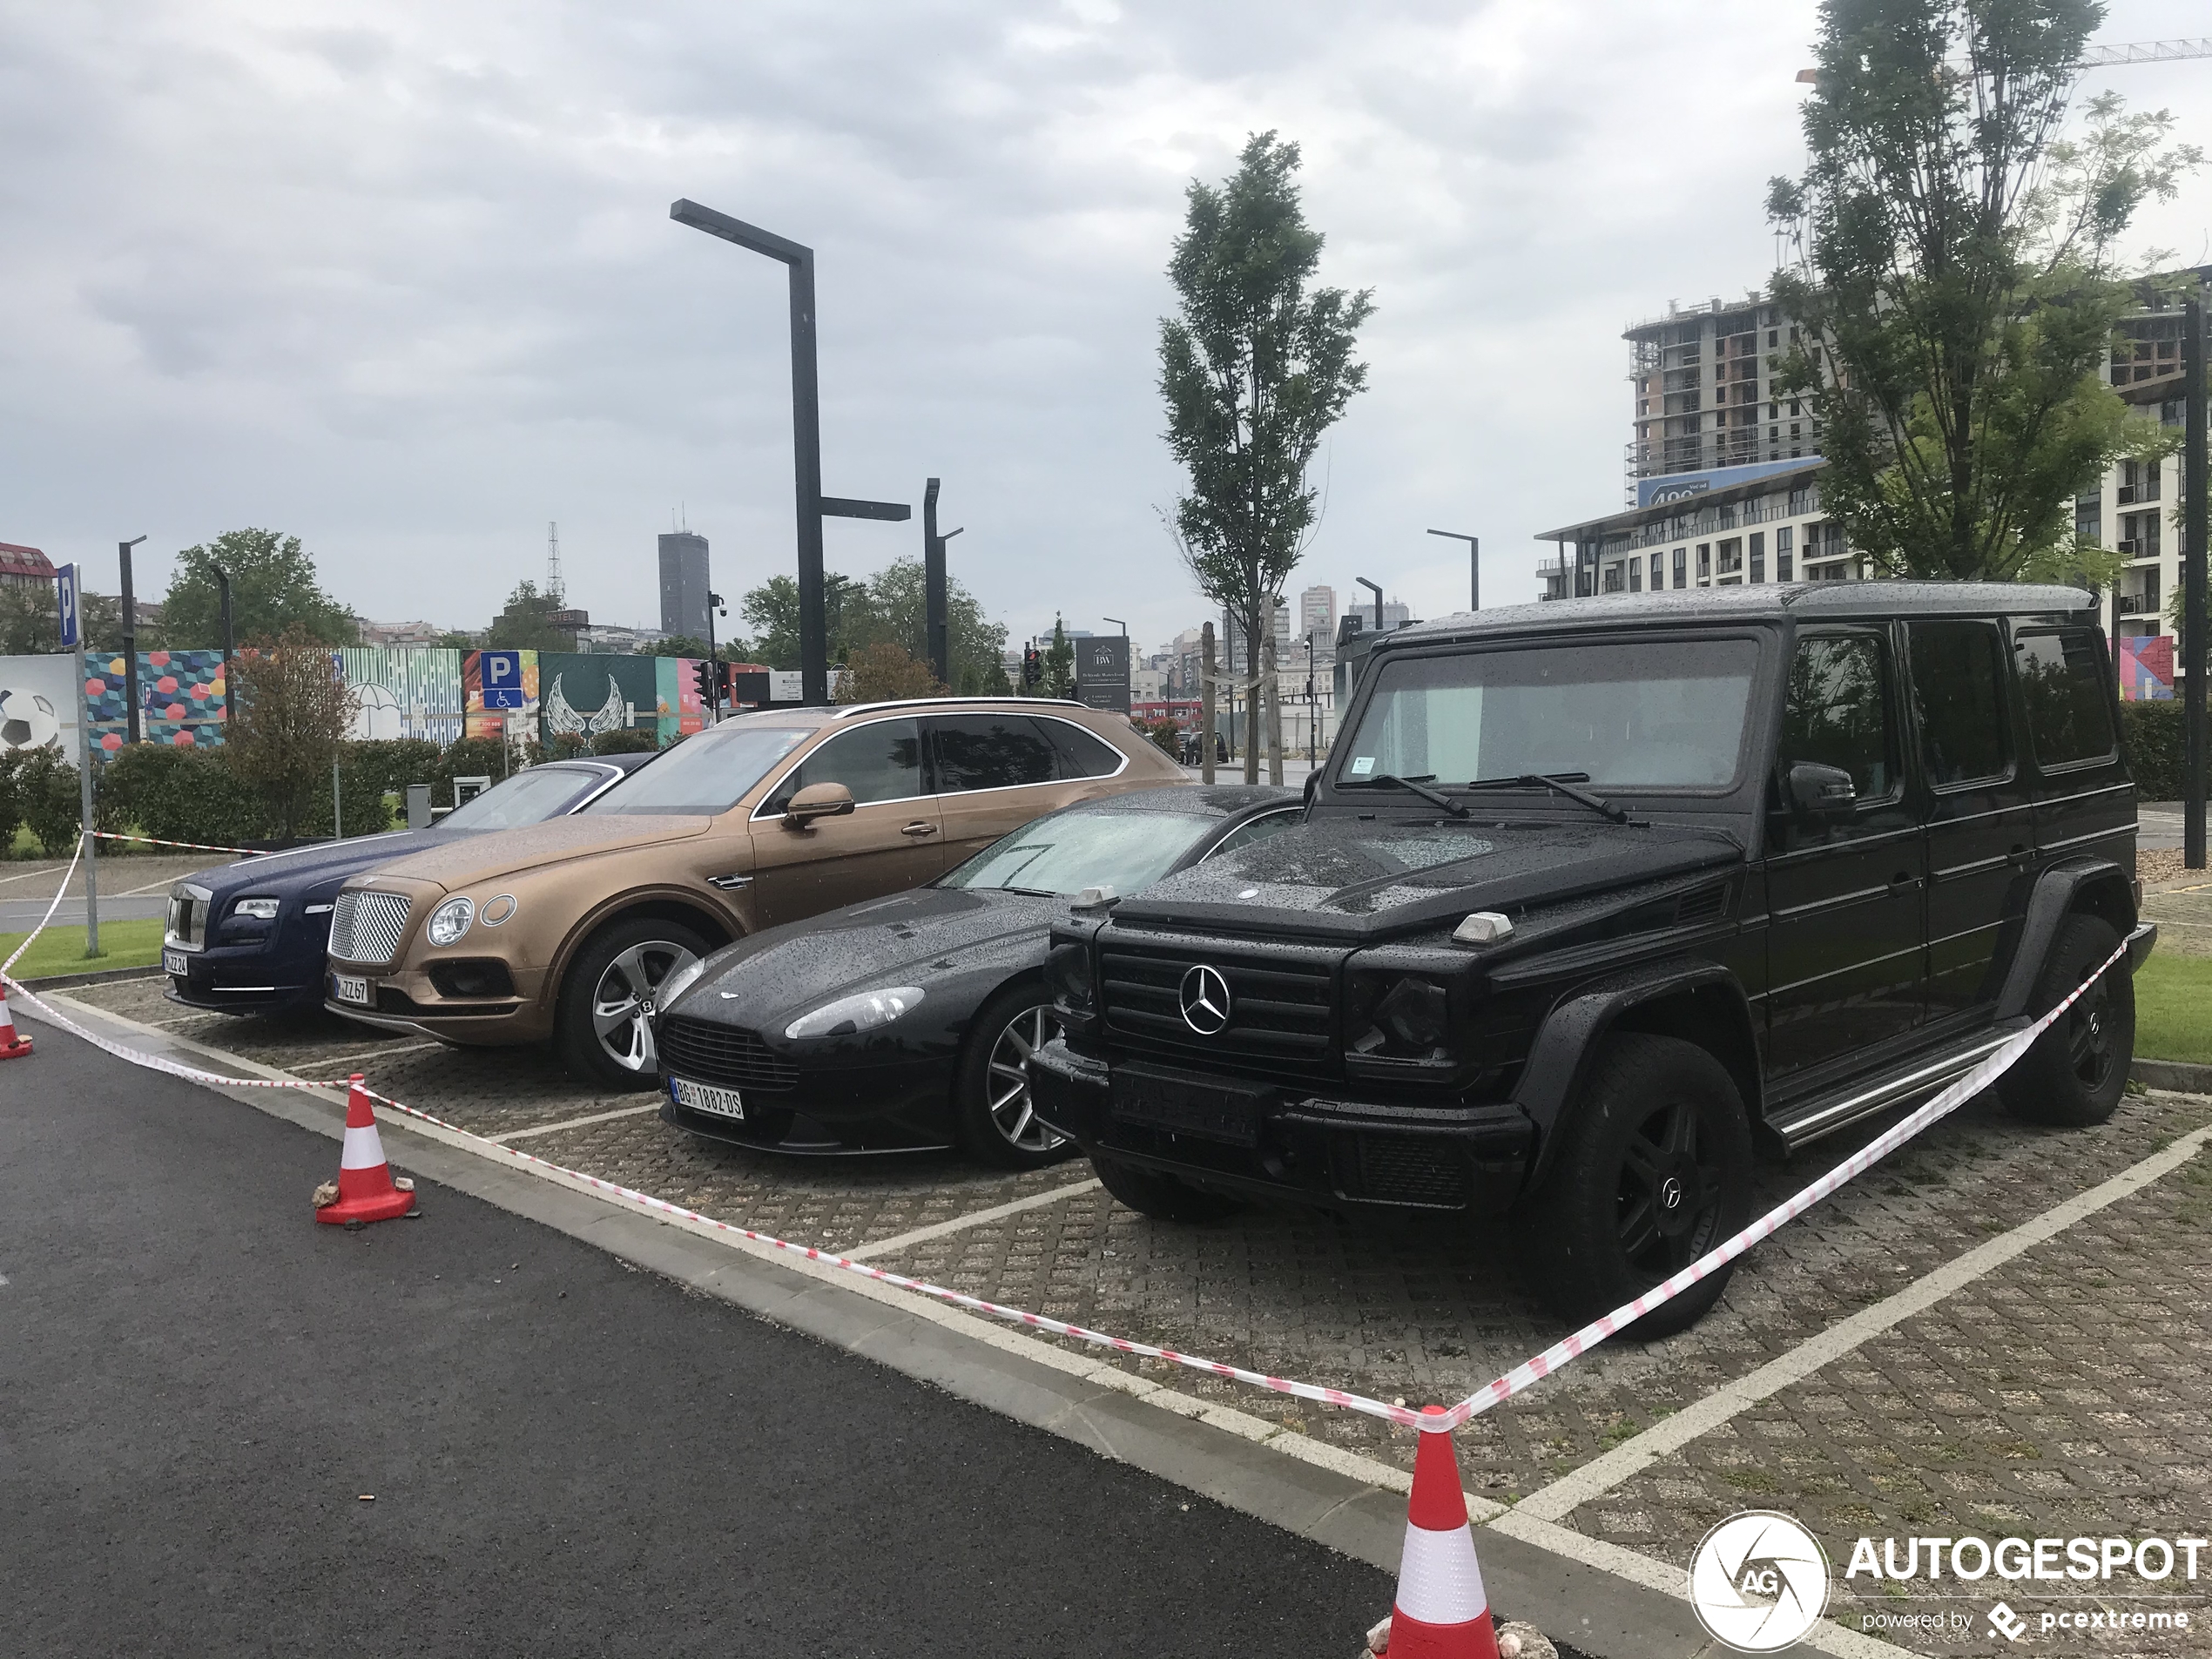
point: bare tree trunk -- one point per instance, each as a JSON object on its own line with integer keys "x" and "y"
{"x": 1205, "y": 704}
{"x": 1274, "y": 713}
{"x": 1252, "y": 695}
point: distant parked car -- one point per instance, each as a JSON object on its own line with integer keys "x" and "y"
{"x": 567, "y": 931}
{"x": 905, "y": 1022}
{"x": 250, "y": 937}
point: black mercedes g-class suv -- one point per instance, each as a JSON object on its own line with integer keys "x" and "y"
{"x": 1593, "y": 896}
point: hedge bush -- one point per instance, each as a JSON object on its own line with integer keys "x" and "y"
{"x": 2152, "y": 732}
{"x": 629, "y": 740}
{"x": 11, "y": 798}
{"x": 188, "y": 795}
{"x": 47, "y": 785}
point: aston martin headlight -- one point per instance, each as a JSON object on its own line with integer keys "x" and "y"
{"x": 257, "y": 909}
{"x": 451, "y": 920}
{"x": 676, "y": 983}
{"x": 849, "y": 1015}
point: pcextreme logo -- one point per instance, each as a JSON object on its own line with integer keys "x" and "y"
{"x": 1758, "y": 1581}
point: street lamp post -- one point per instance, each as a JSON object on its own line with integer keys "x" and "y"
{"x": 1474, "y": 563}
{"x": 130, "y": 641}
{"x": 2192, "y": 587}
{"x": 713, "y": 660}
{"x": 1311, "y": 707}
{"x": 1376, "y": 589}
{"x": 223, "y": 587}
{"x": 935, "y": 590}
{"x": 807, "y": 436}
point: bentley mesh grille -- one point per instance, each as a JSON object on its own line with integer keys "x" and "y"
{"x": 367, "y": 926}
{"x": 728, "y": 1055}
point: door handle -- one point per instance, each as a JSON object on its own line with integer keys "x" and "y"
{"x": 1903, "y": 877}
{"x": 918, "y": 830}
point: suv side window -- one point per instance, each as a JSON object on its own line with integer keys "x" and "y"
{"x": 989, "y": 752}
{"x": 2069, "y": 718}
{"x": 1959, "y": 678}
{"x": 879, "y": 761}
{"x": 1837, "y": 712}
{"x": 1082, "y": 754}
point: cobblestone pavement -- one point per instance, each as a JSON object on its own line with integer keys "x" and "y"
{"x": 2060, "y": 1393}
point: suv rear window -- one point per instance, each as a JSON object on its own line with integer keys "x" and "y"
{"x": 1082, "y": 754}
{"x": 1958, "y": 675}
{"x": 2069, "y": 718}
{"x": 990, "y": 752}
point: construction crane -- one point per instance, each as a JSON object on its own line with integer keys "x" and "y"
{"x": 2140, "y": 52}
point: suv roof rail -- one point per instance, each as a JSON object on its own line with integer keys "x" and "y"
{"x": 900, "y": 703}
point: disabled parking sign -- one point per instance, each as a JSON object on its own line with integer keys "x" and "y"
{"x": 503, "y": 675}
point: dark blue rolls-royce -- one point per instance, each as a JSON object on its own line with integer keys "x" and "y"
{"x": 249, "y": 937}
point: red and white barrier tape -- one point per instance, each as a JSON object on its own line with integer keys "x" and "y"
{"x": 196, "y": 846}
{"x": 1522, "y": 1376}
{"x": 52, "y": 905}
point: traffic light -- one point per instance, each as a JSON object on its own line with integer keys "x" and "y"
{"x": 1032, "y": 668}
{"x": 703, "y": 677}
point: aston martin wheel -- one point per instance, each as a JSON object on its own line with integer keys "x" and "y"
{"x": 605, "y": 1031}
{"x": 991, "y": 1102}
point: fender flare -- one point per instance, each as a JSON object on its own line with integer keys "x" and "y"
{"x": 1560, "y": 1058}
{"x": 2056, "y": 896}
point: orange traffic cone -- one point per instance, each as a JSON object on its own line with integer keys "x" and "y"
{"x": 1441, "y": 1611}
{"x": 365, "y": 1189}
{"x": 12, "y": 1047}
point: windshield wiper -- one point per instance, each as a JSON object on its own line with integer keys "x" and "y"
{"x": 1561, "y": 783}
{"x": 1419, "y": 786}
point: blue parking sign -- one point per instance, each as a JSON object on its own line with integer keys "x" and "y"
{"x": 503, "y": 672}
{"x": 65, "y": 598}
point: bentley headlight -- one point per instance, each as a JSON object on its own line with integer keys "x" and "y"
{"x": 849, "y": 1015}
{"x": 676, "y": 983}
{"x": 257, "y": 909}
{"x": 451, "y": 920}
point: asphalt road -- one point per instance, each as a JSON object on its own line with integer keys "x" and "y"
{"x": 567, "y": 1455}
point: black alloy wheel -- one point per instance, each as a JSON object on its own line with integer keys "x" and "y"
{"x": 1669, "y": 1202}
{"x": 995, "y": 1117}
{"x": 2077, "y": 1071}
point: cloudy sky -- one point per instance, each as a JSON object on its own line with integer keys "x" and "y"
{"x": 400, "y": 279}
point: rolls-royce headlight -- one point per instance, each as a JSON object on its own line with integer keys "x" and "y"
{"x": 451, "y": 920}
{"x": 849, "y": 1015}
{"x": 676, "y": 983}
{"x": 257, "y": 909}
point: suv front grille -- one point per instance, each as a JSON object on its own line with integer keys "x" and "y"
{"x": 1279, "y": 1014}
{"x": 727, "y": 1055}
{"x": 186, "y": 924}
{"x": 367, "y": 926}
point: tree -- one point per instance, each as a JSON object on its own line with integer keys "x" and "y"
{"x": 291, "y": 708}
{"x": 682, "y": 646}
{"x": 273, "y": 594}
{"x": 527, "y": 622}
{"x": 771, "y": 610}
{"x": 885, "y": 672}
{"x": 895, "y": 607}
{"x": 29, "y": 623}
{"x": 1058, "y": 675}
{"x": 1255, "y": 369}
{"x": 1961, "y": 284}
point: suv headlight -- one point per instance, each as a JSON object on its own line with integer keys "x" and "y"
{"x": 1068, "y": 980}
{"x": 676, "y": 983}
{"x": 451, "y": 920}
{"x": 1400, "y": 1017}
{"x": 863, "y": 1012}
{"x": 257, "y": 909}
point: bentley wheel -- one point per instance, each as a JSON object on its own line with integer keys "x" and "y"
{"x": 1654, "y": 1169}
{"x": 996, "y": 1121}
{"x": 605, "y": 1034}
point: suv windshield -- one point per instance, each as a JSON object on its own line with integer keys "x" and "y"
{"x": 1067, "y": 851}
{"x": 1649, "y": 714}
{"x": 705, "y": 774}
{"x": 527, "y": 797}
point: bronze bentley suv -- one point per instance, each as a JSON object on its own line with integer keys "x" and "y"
{"x": 571, "y": 929}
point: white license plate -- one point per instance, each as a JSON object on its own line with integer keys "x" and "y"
{"x": 173, "y": 962}
{"x": 704, "y": 1097}
{"x": 350, "y": 988}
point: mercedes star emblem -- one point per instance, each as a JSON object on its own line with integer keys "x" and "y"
{"x": 1205, "y": 1000}
{"x": 1670, "y": 1194}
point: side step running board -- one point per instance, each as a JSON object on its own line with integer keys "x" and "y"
{"x": 1825, "y": 1115}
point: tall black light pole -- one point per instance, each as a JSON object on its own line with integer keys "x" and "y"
{"x": 714, "y": 659}
{"x": 2192, "y": 586}
{"x": 131, "y": 638}
{"x": 936, "y": 605}
{"x": 1474, "y": 563}
{"x": 807, "y": 436}
{"x": 1375, "y": 589}
{"x": 223, "y": 587}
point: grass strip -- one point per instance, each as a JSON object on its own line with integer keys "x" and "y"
{"x": 135, "y": 942}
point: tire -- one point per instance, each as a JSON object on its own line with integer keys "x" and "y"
{"x": 604, "y": 1036}
{"x": 2077, "y": 1071}
{"x": 1161, "y": 1196}
{"x": 991, "y": 1110}
{"x": 1654, "y": 1115}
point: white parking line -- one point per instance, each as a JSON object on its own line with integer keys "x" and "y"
{"x": 367, "y": 1054}
{"x": 573, "y": 1123}
{"x": 1601, "y": 1474}
{"x": 975, "y": 1218}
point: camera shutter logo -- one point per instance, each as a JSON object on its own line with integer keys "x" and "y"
{"x": 1758, "y": 1581}
{"x": 1204, "y": 998}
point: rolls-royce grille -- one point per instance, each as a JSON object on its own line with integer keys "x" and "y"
{"x": 727, "y": 1055}
{"x": 1278, "y": 1010}
{"x": 367, "y": 926}
{"x": 187, "y": 920}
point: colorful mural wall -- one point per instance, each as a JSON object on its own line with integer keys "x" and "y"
{"x": 482, "y": 722}
{"x": 405, "y": 691}
{"x": 2146, "y": 667}
{"x": 182, "y": 698}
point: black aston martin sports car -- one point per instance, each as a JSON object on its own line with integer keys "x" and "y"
{"x": 903, "y": 1022}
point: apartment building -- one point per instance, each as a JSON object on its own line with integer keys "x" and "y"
{"x": 1768, "y": 528}
{"x": 1704, "y": 387}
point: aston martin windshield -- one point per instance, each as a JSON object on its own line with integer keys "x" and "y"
{"x": 527, "y": 797}
{"x": 1658, "y": 714}
{"x": 705, "y": 774}
{"x": 1068, "y": 852}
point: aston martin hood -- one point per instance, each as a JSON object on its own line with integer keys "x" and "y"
{"x": 1362, "y": 881}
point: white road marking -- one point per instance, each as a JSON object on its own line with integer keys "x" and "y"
{"x": 151, "y": 886}
{"x": 573, "y": 1123}
{"x": 373, "y": 1054}
{"x": 975, "y": 1219}
{"x": 1601, "y": 1474}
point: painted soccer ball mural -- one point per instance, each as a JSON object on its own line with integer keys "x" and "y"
{"x": 27, "y": 720}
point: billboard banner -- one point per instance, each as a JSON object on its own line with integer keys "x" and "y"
{"x": 405, "y": 692}
{"x": 584, "y": 696}
{"x": 2146, "y": 667}
{"x": 1102, "y": 672}
{"x": 182, "y": 698}
{"x": 39, "y": 703}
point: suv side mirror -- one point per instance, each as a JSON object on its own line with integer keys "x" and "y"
{"x": 817, "y": 800}
{"x": 1821, "y": 791}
